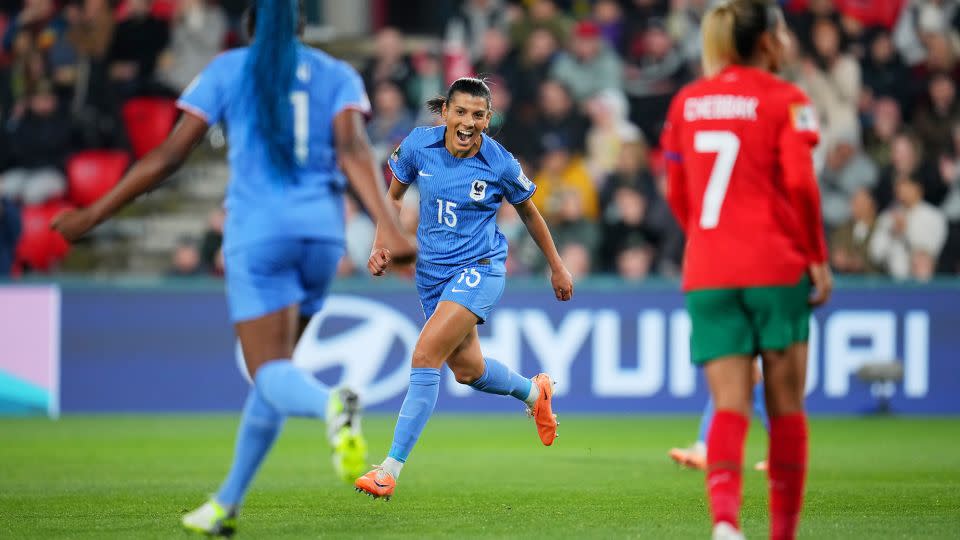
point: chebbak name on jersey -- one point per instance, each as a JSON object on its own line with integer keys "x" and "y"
{"x": 720, "y": 107}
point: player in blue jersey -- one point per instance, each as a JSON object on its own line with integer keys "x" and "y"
{"x": 463, "y": 177}
{"x": 695, "y": 456}
{"x": 294, "y": 119}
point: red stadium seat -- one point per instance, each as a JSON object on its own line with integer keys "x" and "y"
{"x": 148, "y": 121}
{"x": 39, "y": 247}
{"x": 92, "y": 173}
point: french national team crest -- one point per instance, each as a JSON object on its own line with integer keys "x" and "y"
{"x": 478, "y": 190}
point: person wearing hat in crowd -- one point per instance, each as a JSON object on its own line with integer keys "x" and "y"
{"x": 590, "y": 65}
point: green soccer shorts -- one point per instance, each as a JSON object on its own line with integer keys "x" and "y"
{"x": 745, "y": 321}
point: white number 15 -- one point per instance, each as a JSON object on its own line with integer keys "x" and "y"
{"x": 726, "y": 145}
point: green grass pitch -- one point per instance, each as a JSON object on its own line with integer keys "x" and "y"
{"x": 470, "y": 476}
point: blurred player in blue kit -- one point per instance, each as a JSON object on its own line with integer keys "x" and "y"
{"x": 294, "y": 120}
{"x": 695, "y": 456}
{"x": 463, "y": 177}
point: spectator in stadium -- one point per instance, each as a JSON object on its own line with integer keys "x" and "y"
{"x": 62, "y": 57}
{"x": 832, "y": 78}
{"x": 631, "y": 171}
{"x": 635, "y": 262}
{"x": 907, "y": 159}
{"x": 576, "y": 257}
{"x": 137, "y": 43}
{"x": 846, "y": 170}
{"x": 185, "y": 261}
{"x": 94, "y": 105}
{"x": 941, "y": 58}
{"x": 212, "y": 242}
{"x": 511, "y": 129}
{"x": 683, "y": 24}
{"x": 560, "y": 116}
{"x": 654, "y": 71}
{"x": 29, "y": 68}
{"x": 624, "y": 224}
{"x": 470, "y": 24}
{"x": 803, "y": 21}
{"x": 608, "y": 15}
{"x": 428, "y": 80}
{"x": 919, "y": 20}
{"x": 10, "y": 227}
{"x": 639, "y": 13}
{"x": 884, "y": 123}
{"x": 533, "y": 67}
{"x": 38, "y": 22}
{"x": 198, "y": 33}
{"x": 40, "y": 138}
{"x": 590, "y": 65}
{"x": 542, "y": 15}
{"x": 950, "y": 172}
{"x": 389, "y": 61}
{"x": 850, "y": 242}
{"x": 910, "y": 234}
{"x": 934, "y": 119}
{"x": 391, "y": 120}
{"x": 884, "y": 73}
{"x": 570, "y": 226}
{"x": 609, "y": 132}
{"x": 561, "y": 172}
{"x": 496, "y": 58}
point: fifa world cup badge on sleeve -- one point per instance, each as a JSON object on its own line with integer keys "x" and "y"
{"x": 804, "y": 117}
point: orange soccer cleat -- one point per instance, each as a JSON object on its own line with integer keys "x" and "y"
{"x": 691, "y": 458}
{"x": 376, "y": 483}
{"x": 542, "y": 410}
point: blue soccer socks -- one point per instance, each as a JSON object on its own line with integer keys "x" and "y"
{"x": 416, "y": 410}
{"x": 292, "y": 391}
{"x": 259, "y": 426}
{"x": 501, "y": 380}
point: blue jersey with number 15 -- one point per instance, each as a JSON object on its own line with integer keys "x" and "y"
{"x": 459, "y": 199}
{"x": 260, "y": 206}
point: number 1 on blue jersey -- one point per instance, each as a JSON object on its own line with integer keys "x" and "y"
{"x": 301, "y": 125}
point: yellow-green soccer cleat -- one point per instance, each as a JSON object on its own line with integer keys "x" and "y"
{"x": 345, "y": 436}
{"x": 211, "y": 519}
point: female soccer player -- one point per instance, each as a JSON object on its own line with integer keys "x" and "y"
{"x": 294, "y": 120}
{"x": 463, "y": 176}
{"x": 741, "y": 183}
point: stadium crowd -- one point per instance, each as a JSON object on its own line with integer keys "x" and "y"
{"x": 580, "y": 88}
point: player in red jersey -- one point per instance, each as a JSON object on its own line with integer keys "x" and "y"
{"x": 741, "y": 183}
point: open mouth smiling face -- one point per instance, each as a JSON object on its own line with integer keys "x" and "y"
{"x": 466, "y": 117}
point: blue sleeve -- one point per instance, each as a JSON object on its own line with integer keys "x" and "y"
{"x": 517, "y": 188}
{"x": 350, "y": 94}
{"x": 402, "y": 161}
{"x": 204, "y": 96}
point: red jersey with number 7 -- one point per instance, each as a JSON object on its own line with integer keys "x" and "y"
{"x": 738, "y": 148}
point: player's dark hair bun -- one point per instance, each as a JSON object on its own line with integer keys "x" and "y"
{"x": 468, "y": 85}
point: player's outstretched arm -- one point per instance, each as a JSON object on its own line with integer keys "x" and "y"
{"x": 357, "y": 162}
{"x": 380, "y": 256}
{"x": 145, "y": 175}
{"x": 560, "y": 278}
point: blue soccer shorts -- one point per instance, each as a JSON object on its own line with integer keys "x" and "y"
{"x": 473, "y": 287}
{"x": 267, "y": 276}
